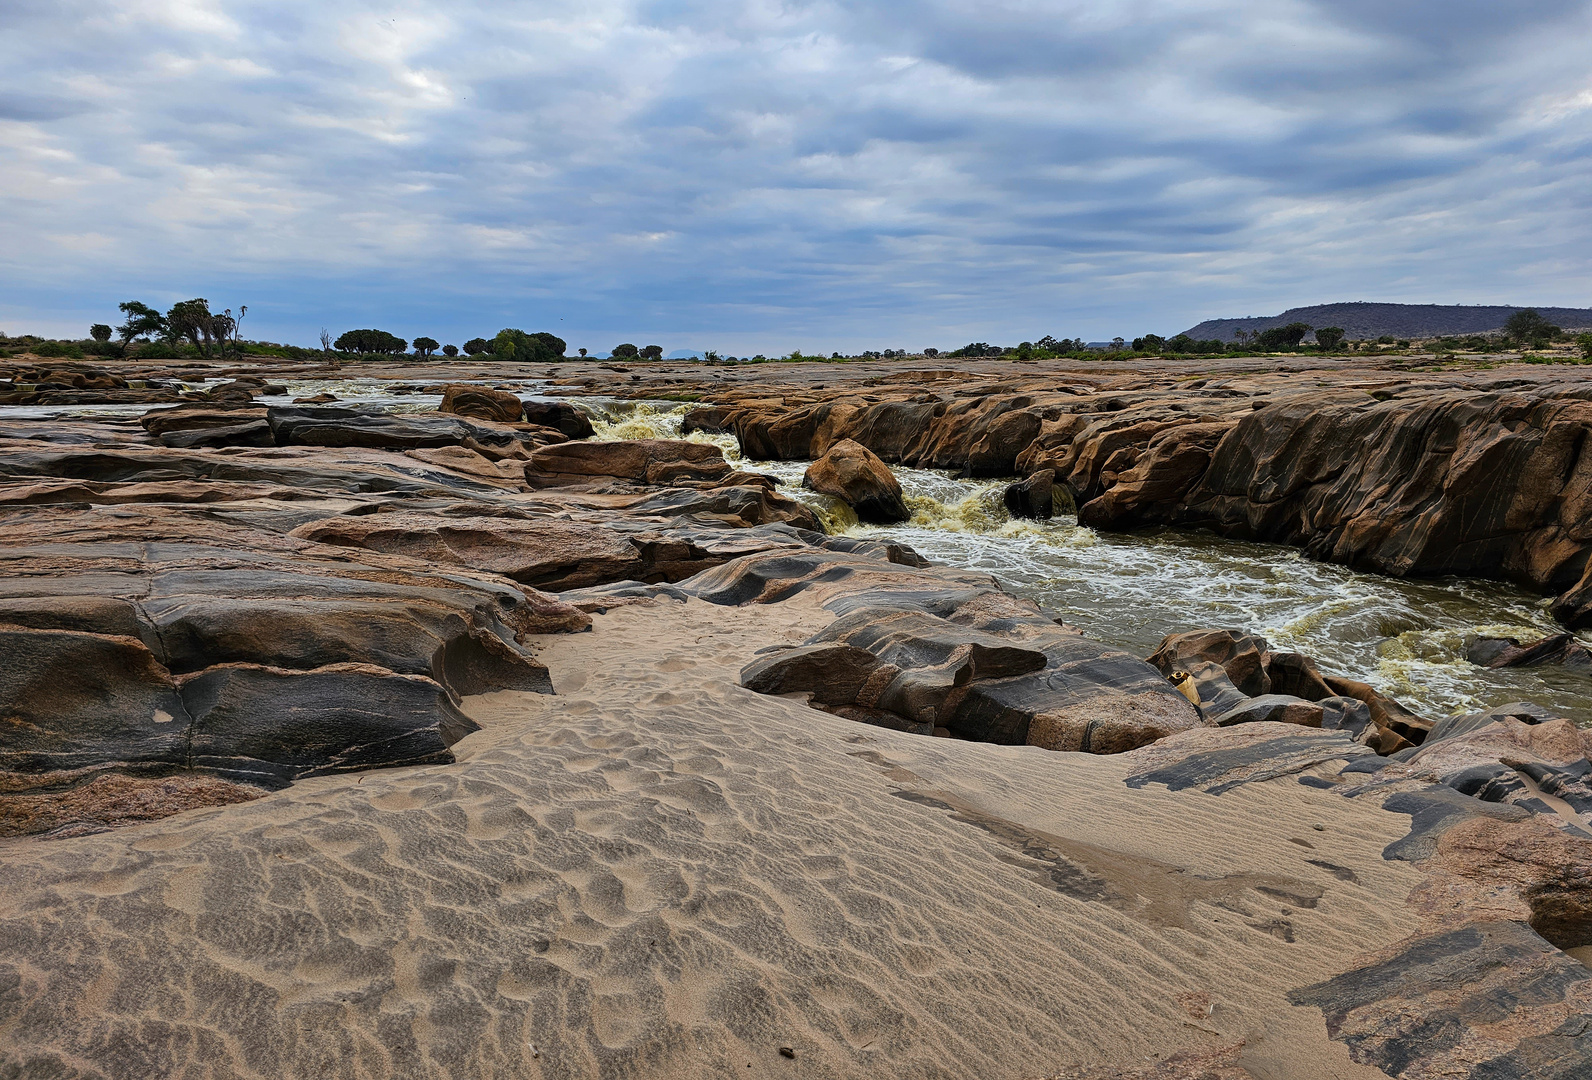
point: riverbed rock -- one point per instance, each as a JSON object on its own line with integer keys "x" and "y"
{"x": 641, "y": 461}
{"x": 1241, "y": 656}
{"x": 1273, "y": 708}
{"x": 1559, "y": 650}
{"x": 1031, "y": 498}
{"x": 482, "y": 403}
{"x": 852, "y": 473}
{"x": 560, "y": 416}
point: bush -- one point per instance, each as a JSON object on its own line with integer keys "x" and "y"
{"x": 100, "y": 331}
{"x": 371, "y": 341}
{"x": 158, "y": 350}
{"x": 57, "y": 348}
{"x": 1585, "y": 342}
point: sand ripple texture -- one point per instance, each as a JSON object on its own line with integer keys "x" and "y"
{"x": 659, "y": 874}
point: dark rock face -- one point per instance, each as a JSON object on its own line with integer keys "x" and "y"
{"x": 1031, "y": 498}
{"x": 1561, "y": 650}
{"x": 561, "y": 416}
{"x": 1273, "y": 708}
{"x": 853, "y": 474}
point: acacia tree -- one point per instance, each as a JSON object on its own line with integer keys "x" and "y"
{"x": 538, "y": 348}
{"x": 1329, "y": 337}
{"x": 450, "y": 350}
{"x": 652, "y": 352}
{"x": 425, "y": 346}
{"x": 625, "y": 351}
{"x": 141, "y": 321}
{"x": 370, "y": 341}
{"x": 100, "y": 332}
{"x": 1528, "y": 327}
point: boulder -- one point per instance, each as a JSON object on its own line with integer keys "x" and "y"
{"x": 852, "y": 473}
{"x": 560, "y": 416}
{"x": 481, "y": 402}
{"x": 1031, "y": 498}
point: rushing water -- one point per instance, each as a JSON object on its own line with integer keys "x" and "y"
{"x": 1406, "y": 637}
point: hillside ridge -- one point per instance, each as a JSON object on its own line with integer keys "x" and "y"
{"x": 1364, "y": 319}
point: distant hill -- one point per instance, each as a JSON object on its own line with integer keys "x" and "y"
{"x": 1364, "y": 320}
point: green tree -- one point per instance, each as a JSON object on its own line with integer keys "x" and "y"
{"x": 1528, "y": 327}
{"x": 1282, "y": 337}
{"x": 1329, "y": 337}
{"x": 370, "y": 341}
{"x": 1585, "y": 341}
{"x": 625, "y": 351}
{"x": 652, "y": 352}
{"x": 426, "y": 346}
{"x": 100, "y": 332}
{"x": 477, "y": 345}
{"x": 191, "y": 319}
{"x": 520, "y": 347}
{"x": 141, "y": 321}
{"x": 1151, "y": 343}
{"x": 450, "y": 350}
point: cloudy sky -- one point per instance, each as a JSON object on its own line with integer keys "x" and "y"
{"x": 762, "y": 176}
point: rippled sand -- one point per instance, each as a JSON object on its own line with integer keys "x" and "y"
{"x": 658, "y": 874}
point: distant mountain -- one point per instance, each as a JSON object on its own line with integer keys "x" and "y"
{"x": 1364, "y": 320}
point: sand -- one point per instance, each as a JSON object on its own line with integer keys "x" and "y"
{"x": 656, "y": 873}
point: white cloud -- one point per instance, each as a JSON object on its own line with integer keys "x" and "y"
{"x": 846, "y": 172}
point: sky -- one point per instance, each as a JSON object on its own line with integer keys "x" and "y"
{"x": 762, "y": 177}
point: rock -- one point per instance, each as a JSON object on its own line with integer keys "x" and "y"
{"x": 833, "y": 673}
{"x": 112, "y": 800}
{"x": 481, "y": 402}
{"x": 339, "y": 427}
{"x": 854, "y": 474}
{"x": 1241, "y": 656}
{"x": 972, "y": 661}
{"x": 645, "y": 461}
{"x": 269, "y": 726}
{"x": 1561, "y": 650}
{"x": 1273, "y": 708}
{"x": 1488, "y": 999}
{"x": 1214, "y": 692}
{"x": 560, "y": 416}
{"x": 1031, "y": 498}
{"x": 1345, "y": 714}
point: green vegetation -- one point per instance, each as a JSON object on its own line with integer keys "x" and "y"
{"x": 625, "y": 351}
{"x": 365, "y": 342}
{"x": 517, "y": 345}
{"x": 1528, "y": 328}
{"x": 426, "y": 346}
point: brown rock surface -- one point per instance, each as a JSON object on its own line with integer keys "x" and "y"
{"x": 481, "y": 402}
{"x": 852, "y": 473}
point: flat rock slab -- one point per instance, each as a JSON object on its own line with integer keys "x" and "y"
{"x": 1218, "y": 760}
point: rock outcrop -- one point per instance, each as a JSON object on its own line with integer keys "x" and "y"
{"x": 482, "y": 403}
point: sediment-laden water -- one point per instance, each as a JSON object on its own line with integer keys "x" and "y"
{"x": 1406, "y": 637}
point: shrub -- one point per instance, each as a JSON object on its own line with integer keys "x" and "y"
{"x": 100, "y": 331}
{"x": 1585, "y": 342}
{"x": 57, "y": 348}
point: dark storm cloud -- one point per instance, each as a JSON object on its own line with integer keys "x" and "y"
{"x": 763, "y": 175}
